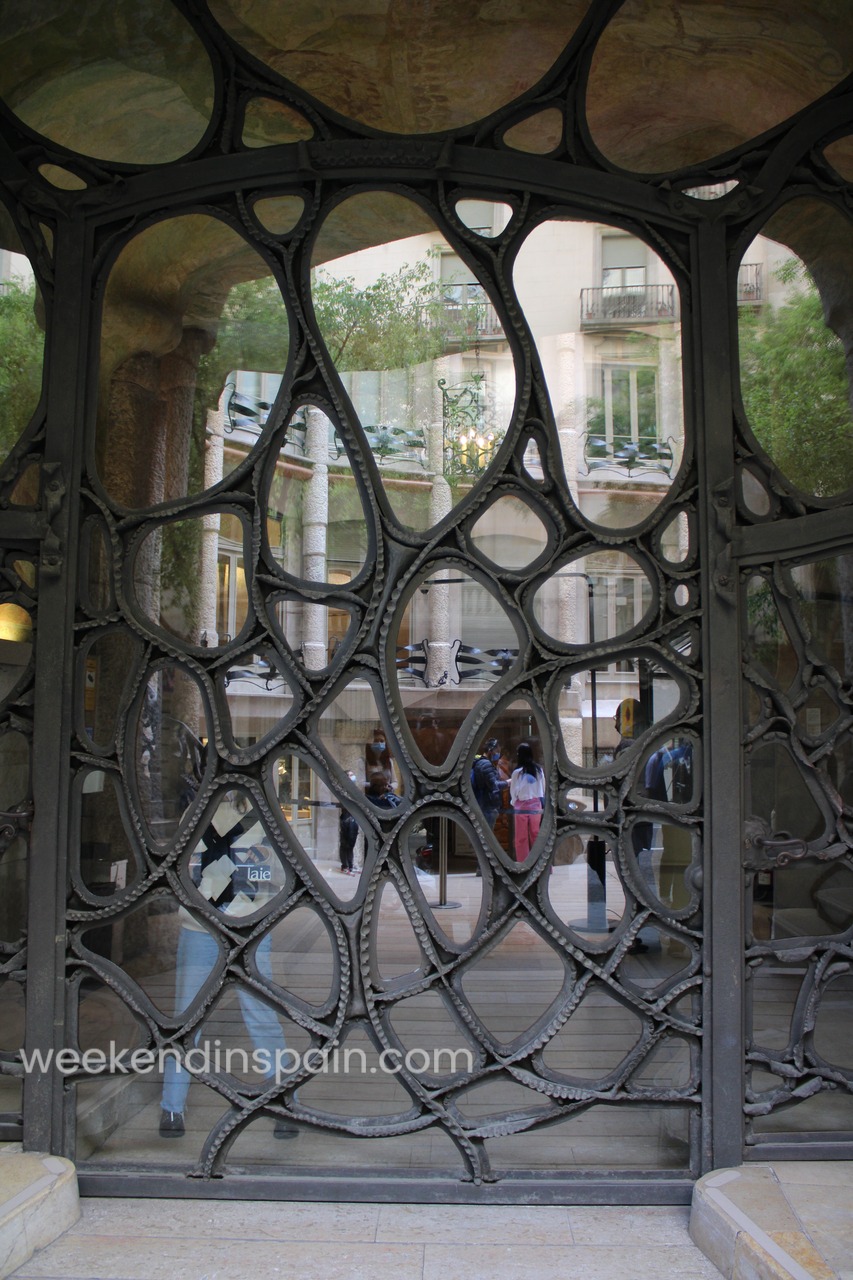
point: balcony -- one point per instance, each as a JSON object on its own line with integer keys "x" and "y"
{"x": 471, "y": 321}
{"x": 750, "y": 284}
{"x": 627, "y": 305}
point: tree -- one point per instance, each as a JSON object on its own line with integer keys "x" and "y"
{"x": 795, "y": 388}
{"x": 397, "y": 321}
{"x": 22, "y": 347}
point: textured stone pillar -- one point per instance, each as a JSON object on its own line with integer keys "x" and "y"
{"x": 440, "y": 504}
{"x": 315, "y": 523}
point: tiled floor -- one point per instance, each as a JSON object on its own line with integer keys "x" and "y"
{"x": 227, "y": 1240}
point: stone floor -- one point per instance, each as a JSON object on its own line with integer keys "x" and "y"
{"x": 119, "y": 1239}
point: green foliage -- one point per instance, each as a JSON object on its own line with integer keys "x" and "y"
{"x": 795, "y": 388}
{"x": 396, "y": 321}
{"x": 21, "y": 360}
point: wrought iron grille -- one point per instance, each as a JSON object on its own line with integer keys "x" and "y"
{"x": 183, "y": 576}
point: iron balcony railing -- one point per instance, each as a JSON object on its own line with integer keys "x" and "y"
{"x": 643, "y": 303}
{"x": 750, "y": 283}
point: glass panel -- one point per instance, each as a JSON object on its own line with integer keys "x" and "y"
{"x": 509, "y": 533}
{"x": 186, "y": 386}
{"x": 585, "y": 888}
{"x": 768, "y": 636}
{"x": 266, "y": 123}
{"x": 756, "y": 497}
{"x": 514, "y": 983}
{"x": 793, "y": 371}
{"x": 13, "y": 890}
{"x": 165, "y": 951}
{"x": 168, "y": 741}
{"x": 302, "y": 959}
{"x": 453, "y": 632}
{"x": 600, "y": 1136}
{"x": 12, "y": 1017}
{"x": 257, "y": 700}
{"x": 595, "y": 1042}
{"x": 593, "y": 597}
{"x": 316, "y": 529}
{"x": 682, "y": 104}
{"x": 328, "y": 832}
{"x": 234, "y": 866}
{"x": 539, "y": 134}
{"x": 190, "y": 581}
{"x": 351, "y": 733}
{"x": 135, "y": 83}
{"x": 108, "y": 673}
{"x": 96, "y": 589}
{"x": 278, "y": 214}
{"x": 421, "y": 352}
{"x": 356, "y": 1081}
{"x": 339, "y": 58}
{"x": 396, "y": 949}
{"x": 460, "y": 913}
{"x": 485, "y": 217}
{"x": 675, "y": 541}
{"x": 805, "y": 899}
{"x": 432, "y": 1038}
{"x": 833, "y": 1033}
{"x": 606, "y": 711}
{"x": 610, "y": 347}
{"x": 778, "y": 794}
{"x": 825, "y": 590}
{"x": 109, "y": 862}
{"x": 21, "y": 352}
{"x": 105, "y": 1022}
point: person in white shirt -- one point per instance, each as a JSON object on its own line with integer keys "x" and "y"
{"x": 527, "y": 796}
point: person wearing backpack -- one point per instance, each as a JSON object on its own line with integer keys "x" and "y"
{"x": 486, "y": 782}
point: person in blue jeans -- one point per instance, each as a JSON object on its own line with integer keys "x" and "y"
{"x": 231, "y": 869}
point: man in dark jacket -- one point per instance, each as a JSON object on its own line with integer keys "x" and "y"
{"x": 486, "y": 782}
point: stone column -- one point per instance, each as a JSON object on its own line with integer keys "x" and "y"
{"x": 440, "y": 504}
{"x": 315, "y": 523}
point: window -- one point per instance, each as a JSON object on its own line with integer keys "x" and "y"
{"x": 628, "y": 414}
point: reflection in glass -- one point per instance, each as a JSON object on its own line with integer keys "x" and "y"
{"x": 585, "y": 889}
{"x": 601, "y": 1136}
{"x": 145, "y": 943}
{"x": 109, "y": 664}
{"x": 778, "y": 794}
{"x": 804, "y": 899}
{"x": 514, "y": 983}
{"x": 13, "y": 890}
{"x": 425, "y": 1023}
{"x": 610, "y": 348}
{"x": 135, "y": 83}
{"x": 509, "y": 533}
{"x": 22, "y": 354}
{"x": 768, "y": 636}
{"x": 421, "y": 352}
{"x": 316, "y": 527}
{"x": 825, "y": 590}
{"x": 302, "y": 958}
{"x": 605, "y": 711}
{"x": 189, "y": 578}
{"x": 109, "y": 862}
{"x": 176, "y": 423}
{"x": 258, "y": 699}
{"x": 170, "y": 747}
{"x": 833, "y": 1033}
{"x": 234, "y": 865}
{"x": 396, "y": 949}
{"x": 793, "y": 370}
{"x": 327, "y": 830}
{"x": 598, "y": 596}
{"x": 103, "y": 1019}
{"x": 568, "y": 1054}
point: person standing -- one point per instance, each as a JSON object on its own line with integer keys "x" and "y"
{"x": 527, "y": 796}
{"x": 486, "y": 781}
